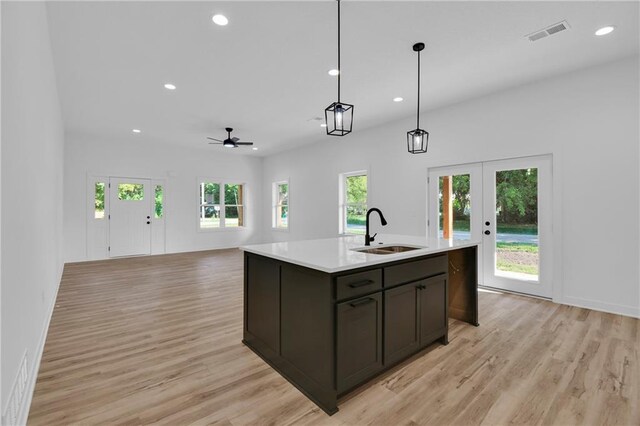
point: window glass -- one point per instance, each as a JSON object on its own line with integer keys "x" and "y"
{"x": 130, "y": 191}
{"x": 454, "y": 204}
{"x": 209, "y": 205}
{"x": 99, "y": 200}
{"x": 355, "y": 204}
{"x": 159, "y": 202}
{"x": 233, "y": 201}
{"x": 281, "y": 205}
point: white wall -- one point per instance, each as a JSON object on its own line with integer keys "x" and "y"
{"x": 588, "y": 121}
{"x": 32, "y": 164}
{"x": 180, "y": 168}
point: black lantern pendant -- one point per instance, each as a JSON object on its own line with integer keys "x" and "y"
{"x": 338, "y": 116}
{"x": 418, "y": 139}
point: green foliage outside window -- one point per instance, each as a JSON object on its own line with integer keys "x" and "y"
{"x": 99, "y": 200}
{"x": 130, "y": 191}
{"x": 159, "y": 202}
{"x": 356, "y": 209}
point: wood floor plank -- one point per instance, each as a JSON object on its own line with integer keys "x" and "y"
{"x": 157, "y": 340}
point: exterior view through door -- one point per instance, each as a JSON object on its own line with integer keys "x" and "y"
{"x": 506, "y": 205}
{"x": 130, "y": 217}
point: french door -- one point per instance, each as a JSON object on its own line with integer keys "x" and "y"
{"x": 129, "y": 217}
{"x": 506, "y": 205}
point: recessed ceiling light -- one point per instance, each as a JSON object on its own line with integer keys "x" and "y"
{"x": 136, "y": 130}
{"x": 170, "y": 86}
{"x": 255, "y": 148}
{"x": 220, "y": 20}
{"x": 334, "y": 72}
{"x": 605, "y": 30}
{"x": 398, "y": 99}
{"x": 323, "y": 125}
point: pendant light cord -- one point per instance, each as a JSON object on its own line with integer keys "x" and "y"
{"x": 339, "y": 70}
{"x": 418, "y": 114}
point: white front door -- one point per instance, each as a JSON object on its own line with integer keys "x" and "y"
{"x": 506, "y": 205}
{"x": 129, "y": 217}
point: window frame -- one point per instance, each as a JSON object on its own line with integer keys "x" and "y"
{"x": 342, "y": 199}
{"x": 275, "y": 190}
{"x": 222, "y": 204}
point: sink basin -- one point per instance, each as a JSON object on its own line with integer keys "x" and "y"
{"x": 386, "y": 249}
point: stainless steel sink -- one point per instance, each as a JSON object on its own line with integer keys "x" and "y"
{"x": 387, "y": 249}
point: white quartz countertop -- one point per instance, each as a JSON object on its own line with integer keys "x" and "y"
{"x": 338, "y": 254}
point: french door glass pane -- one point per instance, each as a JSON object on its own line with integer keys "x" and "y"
{"x": 454, "y": 204}
{"x": 517, "y": 223}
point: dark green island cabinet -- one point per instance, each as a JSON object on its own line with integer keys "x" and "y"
{"x": 329, "y": 332}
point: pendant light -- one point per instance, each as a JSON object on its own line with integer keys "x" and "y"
{"x": 338, "y": 116}
{"x": 418, "y": 139}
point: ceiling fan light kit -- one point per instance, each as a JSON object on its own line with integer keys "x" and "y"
{"x": 229, "y": 142}
{"x": 338, "y": 116}
{"x": 418, "y": 139}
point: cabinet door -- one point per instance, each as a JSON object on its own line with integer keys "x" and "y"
{"x": 433, "y": 308}
{"x": 401, "y": 336}
{"x": 262, "y": 301}
{"x": 359, "y": 340}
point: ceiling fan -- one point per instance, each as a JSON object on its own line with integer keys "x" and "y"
{"x": 229, "y": 142}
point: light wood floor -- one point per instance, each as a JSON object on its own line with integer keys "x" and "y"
{"x": 157, "y": 339}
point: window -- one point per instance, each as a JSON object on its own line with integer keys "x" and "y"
{"x": 353, "y": 202}
{"x": 130, "y": 191}
{"x": 99, "y": 201}
{"x": 221, "y": 211}
{"x": 233, "y": 207}
{"x": 159, "y": 202}
{"x": 280, "y": 197}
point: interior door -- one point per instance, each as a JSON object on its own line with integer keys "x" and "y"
{"x": 129, "y": 217}
{"x": 517, "y": 225}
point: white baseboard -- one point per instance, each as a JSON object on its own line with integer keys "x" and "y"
{"x": 626, "y": 310}
{"x": 23, "y": 414}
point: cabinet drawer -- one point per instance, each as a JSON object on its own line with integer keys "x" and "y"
{"x": 356, "y": 284}
{"x": 412, "y": 271}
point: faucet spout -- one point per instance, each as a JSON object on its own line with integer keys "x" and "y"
{"x": 368, "y": 239}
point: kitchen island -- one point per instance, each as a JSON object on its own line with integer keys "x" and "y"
{"x": 331, "y": 314}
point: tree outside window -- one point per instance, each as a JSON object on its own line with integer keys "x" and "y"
{"x": 354, "y": 204}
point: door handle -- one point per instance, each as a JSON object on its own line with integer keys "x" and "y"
{"x": 362, "y": 302}
{"x": 487, "y": 232}
{"x": 361, "y": 283}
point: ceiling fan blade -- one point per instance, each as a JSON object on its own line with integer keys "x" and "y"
{"x": 213, "y": 139}
{"x": 244, "y": 143}
{"x": 215, "y": 143}
{"x": 235, "y": 139}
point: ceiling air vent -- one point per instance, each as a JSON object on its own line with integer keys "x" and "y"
{"x": 550, "y": 30}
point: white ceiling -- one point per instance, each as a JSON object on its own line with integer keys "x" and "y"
{"x": 265, "y": 73}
